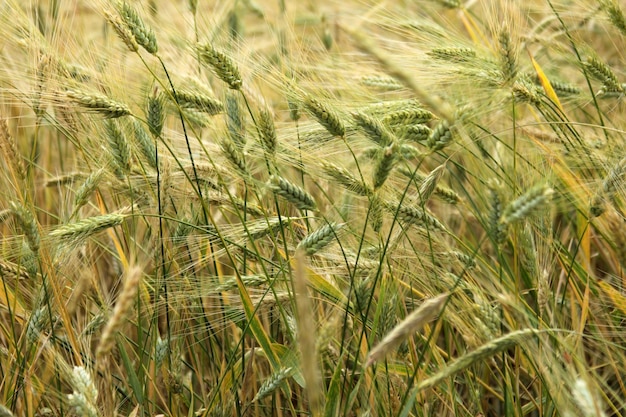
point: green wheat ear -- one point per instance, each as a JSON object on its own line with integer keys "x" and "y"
{"x": 143, "y": 35}
{"x": 222, "y": 65}
{"x": 319, "y": 239}
{"x": 292, "y": 193}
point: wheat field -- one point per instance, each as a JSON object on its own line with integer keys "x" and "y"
{"x": 312, "y": 208}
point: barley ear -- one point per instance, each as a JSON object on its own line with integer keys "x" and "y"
{"x": 73, "y": 234}
{"x": 429, "y": 185}
{"x": 155, "y": 113}
{"x": 508, "y": 54}
{"x": 85, "y": 191}
{"x": 326, "y": 116}
{"x": 319, "y": 239}
{"x": 374, "y": 129}
{"x": 385, "y": 165}
{"x": 292, "y": 193}
{"x": 5, "y": 412}
{"x": 83, "y": 398}
{"x": 123, "y": 32}
{"x": 198, "y": 101}
{"x": 603, "y": 73}
{"x": 146, "y": 144}
{"x": 483, "y": 352}
{"x": 125, "y": 301}
{"x": 272, "y": 383}
{"x": 222, "y": 65}
{"x": 268, "y": 132}
{"x": 9, "y": 150}
{"x": 440, "y": 137}
{"x": 346, "y": 179}
{"x": 235, "y": 120}
{"x": 98, "y": 103}
{"x": 119, "y": 147}
{"x": 143, "y": 35}
{"x": 615, "y": 14}
{"x": 28, "y": 224}
{"x": 306, "y": 335}
{"x": 234, "y": 155}
{"x": 426, "y": 312}
{"x": 521, "y": 207}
